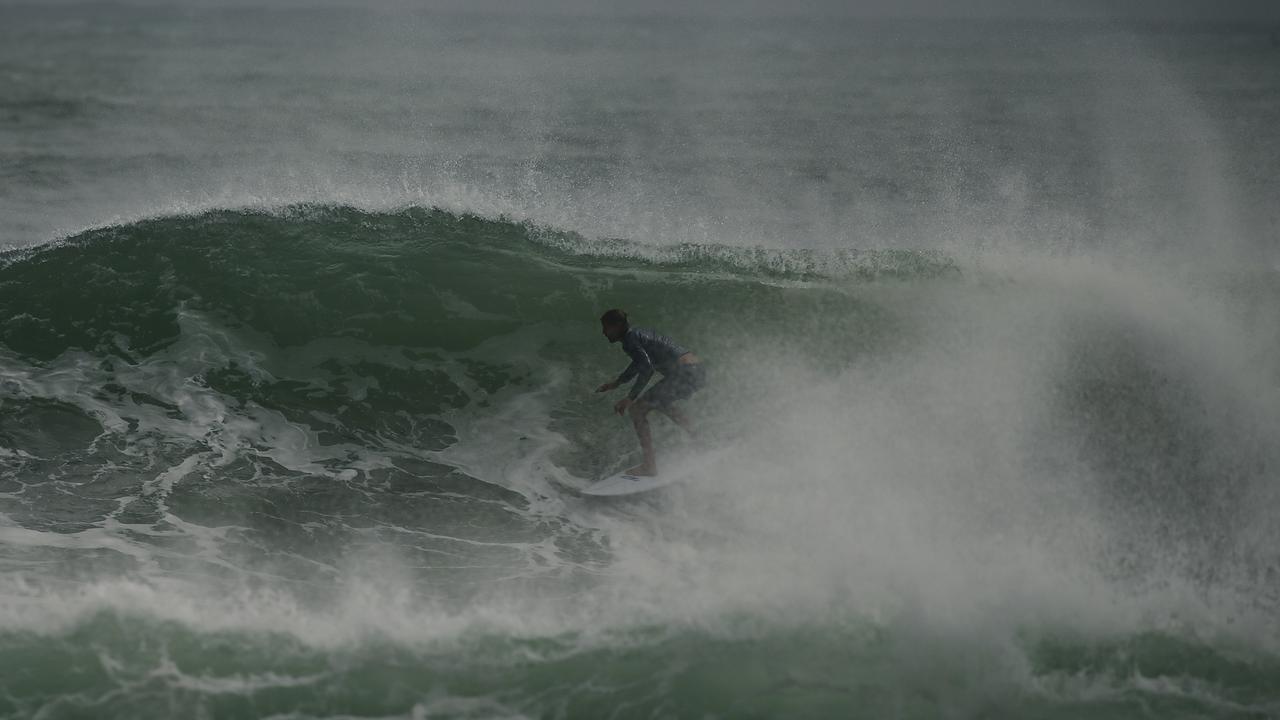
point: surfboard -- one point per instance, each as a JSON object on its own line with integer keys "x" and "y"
{"x": 680, "y": 470}
{"x": 624, "y": 484}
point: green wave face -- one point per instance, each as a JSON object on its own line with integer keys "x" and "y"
{"x": 422, "y": 277}
{"x": 323, "y": 462}
{"x": 370, "y": 328}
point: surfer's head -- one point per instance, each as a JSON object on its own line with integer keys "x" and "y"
{"x": 614, "y": 324}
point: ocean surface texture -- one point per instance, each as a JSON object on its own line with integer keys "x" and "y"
{"x": 298, "y": 342}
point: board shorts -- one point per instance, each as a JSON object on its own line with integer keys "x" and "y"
{"x": 683, "y": 382}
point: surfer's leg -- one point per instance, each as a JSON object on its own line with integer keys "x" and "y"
{"x": 679, "y": 418}
{"x": 681, "y": 387}
{"x": 639, "y": 416}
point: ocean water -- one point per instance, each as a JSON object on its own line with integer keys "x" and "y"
{"x": 298, "y": 344}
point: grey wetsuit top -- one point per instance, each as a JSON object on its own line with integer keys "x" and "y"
{"x": 648, "y": 350}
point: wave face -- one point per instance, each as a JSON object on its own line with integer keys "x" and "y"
{"x": 324, "y": 462}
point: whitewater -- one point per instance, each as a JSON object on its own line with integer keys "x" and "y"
{"x": 298, "y": 342}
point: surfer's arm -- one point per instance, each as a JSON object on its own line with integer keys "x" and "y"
{"x": 632, "y": 370}
{"x": 641, "y": 368}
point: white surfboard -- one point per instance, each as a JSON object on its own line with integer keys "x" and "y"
{"x": 624, "y": 484}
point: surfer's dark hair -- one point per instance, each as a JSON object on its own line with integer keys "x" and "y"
{"x": 614, "y": 317}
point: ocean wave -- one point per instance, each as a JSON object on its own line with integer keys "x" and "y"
{"x": 337, "y": 443}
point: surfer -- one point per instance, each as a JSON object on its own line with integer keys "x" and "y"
{"x": 682, "y": 376}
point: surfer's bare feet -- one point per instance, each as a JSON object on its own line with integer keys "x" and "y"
{"x": 643, "y": 471}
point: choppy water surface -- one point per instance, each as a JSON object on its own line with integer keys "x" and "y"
{"x": 297, "y": 344}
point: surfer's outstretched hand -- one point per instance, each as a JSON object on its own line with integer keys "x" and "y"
{"x": 607, "y": 387}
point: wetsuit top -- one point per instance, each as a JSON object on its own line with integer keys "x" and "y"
{"x": 648, "y": 350}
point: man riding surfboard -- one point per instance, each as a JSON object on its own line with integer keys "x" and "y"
{"x": 682, "y": 376}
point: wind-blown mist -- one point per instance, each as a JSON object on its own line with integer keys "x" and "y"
{"x": 297, "y": 346}
{"x": 725, "y": 129}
